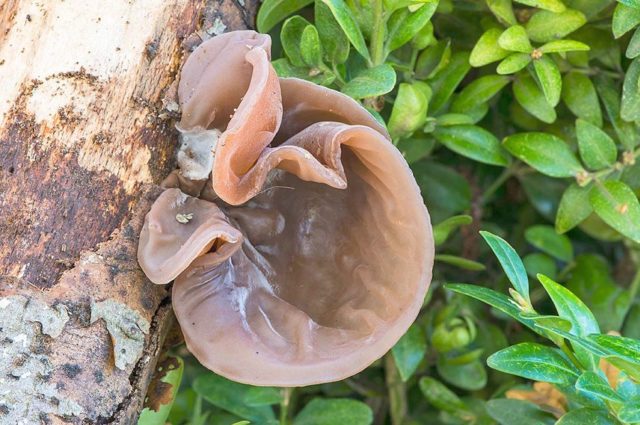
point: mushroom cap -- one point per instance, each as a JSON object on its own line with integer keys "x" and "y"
{"x": 329, "y": 275}
{"x": 177, "y": 230}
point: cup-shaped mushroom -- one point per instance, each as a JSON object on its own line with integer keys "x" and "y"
{"x": 177, "y": 230}
{"x": 334, "y": 266}
{"x": 228, "y": 85}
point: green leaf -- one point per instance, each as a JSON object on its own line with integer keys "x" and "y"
{"x": 172, "y": 378}
{"x": 579, "y": 94}
{"x": 534, "y": 361}
{"x": 409, "y": 351}
{"x": 574, "y": 310}
{"x": 290, "y": 36}
{"x": 592, "y": 282}
{"x": 433, "y": 59}
{"x": 472, "y": 142}
{"x": 470, "y": 376}
{"x": 575, "y": 207}
{"x": 444, "y": 190}
{"x": 552, "y": 5}
{"x": 321, "y": 411}
{"x": 540, "y": 263}
{"x": 310, "y": 47}
{"x": 510, "y": 262}
{"x": 625, "y": 18}
{"x": 630, "y": 411}
{"x": 335, "y": 43}
{"x": 627, "y": 349}
{"x": 547, "y": 240}
{"x": 510, "y": 412}
{"x": 633, "y": 49}
{"x": 597, "y": 149}
{"x": 404, "y": 25}
{"x": 415, "y": 148}
{"x": 409, "y": 111}
{"x": 617, "y": 205}
{"x": 544, "y": 152}
{"x": 440, "y": 396}
{"x": 273, "y": 11}
{"x": 495, "y": 299}
{"x": 515, "y": 39}
{"x": 550, "y": 79}
{"x": 285, "y": 69}
{"x": 545, "y": 26}
{"x": 347, "y": 22}
{"x": 371, "y": 82}
{"x": 611, "y": 100}
{"x": 513, "y": 63}
{"x": 586, "y": 416}
{"x": 630, "y": 104}
{"x": 503, "y": 10}
{"x": 557, "y": 46}
{"x": 487, "y": 49}
{"x": 631, "y": 3}
{"x": 478, "y": 92}
{"x": 592, "y": 383}
{"x": 460, "y": 262}
{"x": 232, "y": 396}
{"x": 442, "y": 230}
{"x": 446, "y": 81}
{"x": 529, "y": 95}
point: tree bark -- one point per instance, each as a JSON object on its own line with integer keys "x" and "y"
{"x": 87, "y": 102}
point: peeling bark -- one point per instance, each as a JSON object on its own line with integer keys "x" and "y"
{"x": 86, "y": 131}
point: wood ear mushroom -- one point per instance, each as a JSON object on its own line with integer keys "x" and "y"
{"x": 308, "y": 252}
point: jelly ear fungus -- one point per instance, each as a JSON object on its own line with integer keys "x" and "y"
{"x": 308, "y": 253}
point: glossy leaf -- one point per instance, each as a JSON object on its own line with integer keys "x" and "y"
{"x": 610, "y": 97}
{"x": 446, "y": 81}
{"x": 440, "y": 396}
{"x": 534, "y": 361}
{"x": 547, "y": 240}
{"x": 593, "y": 383}
{"x": 478, "y": 92}
{"x": 513, "y": 63}
{"x": 404, "y": 25}
{"x": 540, "y": 263}
{"x": 633, "y": 49}
{"x": 310, "y": 47}
{"x": 552, "y": 5}
{"x": 597, "y": 149}
{"x": 291, "y": 36}
{"x": 444, "y": 189}
{"x": 510, "y": 411}
{"x": 586, "y": 416}
{"x": 579, "y": 94}
{"x": 625, "y": 18}
{"x": 558, "y": 46}
{"x": 544, "y": 152}
{"x": 630, "y": 411}
{"x": 469, "y": 376}
{"x": 473, "y": 142}
{"x": 532, "y": 99}
{"x": 442, "y": 230}
{"x": 617, "y": 205}
{"x": 550, "y": 79}
{"x": 409, "y": 111}
{"x": 335, "y": 44}
{"x": 347, "y": 22}
{"x": 371, "y": 82}
{"x": 503, "y": 10}
{"x": 630, "y": 104}
{"x": 409, "y": 351}
{"x": 415, "y": 148}
{"x": 515, "y": 39}
{"x": 545, "y": 26}
{"x": 321, "y": 411}
{"x": 273, "y": 11}
{"x": 510, "y": 262}
{"x": 487, "y": 49}
{"x": 575, "y": 206}
{"x": 460, "y": 262}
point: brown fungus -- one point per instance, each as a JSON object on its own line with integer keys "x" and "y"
{"x": 318, "y": 254}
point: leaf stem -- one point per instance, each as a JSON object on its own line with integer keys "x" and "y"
{"x": 506, "y": 174}
{"x": 397, "y": 391}
{"x": 284, "y": 405}
{"x": 378, "y": 34}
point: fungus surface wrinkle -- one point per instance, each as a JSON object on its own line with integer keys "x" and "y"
{"x": 309, "y": 250}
